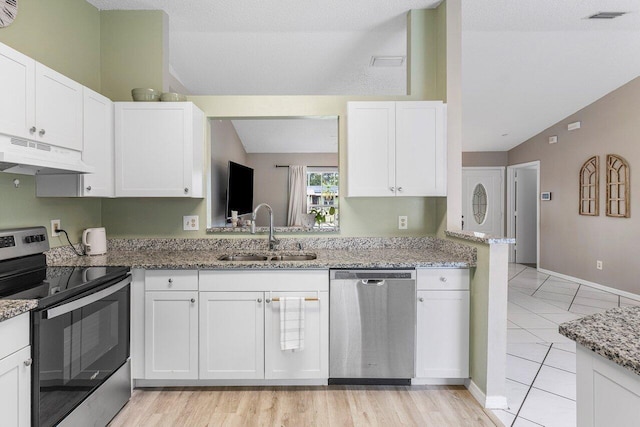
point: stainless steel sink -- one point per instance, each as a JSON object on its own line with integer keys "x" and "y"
{"x": 254, "y": 257}
{"x": 243, "y": 258}
{"x": 296, "y": 257}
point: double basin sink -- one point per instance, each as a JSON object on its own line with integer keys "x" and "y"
{"x": 259, "y": 257}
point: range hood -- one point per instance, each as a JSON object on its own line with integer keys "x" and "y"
{"x": 35, "y": 158}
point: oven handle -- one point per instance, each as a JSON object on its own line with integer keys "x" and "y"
{"x": 89, "y": 299}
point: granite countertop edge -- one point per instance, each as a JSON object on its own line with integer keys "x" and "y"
{"x": 614, "y": 335}
{"x": 479, "y": 237}
{"x": 194, "y": 259}
{"x": 13, "y": 308}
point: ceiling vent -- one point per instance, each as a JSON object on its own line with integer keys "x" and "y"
{"x": 606, "y": 15}
{"x": 386, "y": 61}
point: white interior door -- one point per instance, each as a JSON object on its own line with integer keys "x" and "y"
{"x": 526, "y": 215}
{"x": 483, "y": 200}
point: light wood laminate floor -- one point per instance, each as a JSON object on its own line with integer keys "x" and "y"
{"x": 304, "y": 406}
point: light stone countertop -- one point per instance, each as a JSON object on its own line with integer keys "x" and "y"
{"x": 13, "y": 308}
{"x": 474, "y": 236}
{"x": 614, "y": 335}
{"x": 208, "y": 259}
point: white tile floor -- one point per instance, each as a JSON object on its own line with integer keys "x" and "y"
{"x": 541, "y": 363}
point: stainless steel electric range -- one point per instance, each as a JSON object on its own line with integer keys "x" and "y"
{"x": 81, "y": 372}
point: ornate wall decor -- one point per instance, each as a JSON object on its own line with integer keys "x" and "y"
{"x": 589, "y": 183}
{"x": 617, "y": 186}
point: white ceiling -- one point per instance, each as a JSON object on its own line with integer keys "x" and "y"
{"x": 526, "y": 63}
{"x": 308, "y": 135}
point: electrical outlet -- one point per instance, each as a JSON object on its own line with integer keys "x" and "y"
{"x": 403, "y": 221}
{"x": 190, "y": 223}
{"x": 55, "y": 226}
{"x": 599, "y": 265}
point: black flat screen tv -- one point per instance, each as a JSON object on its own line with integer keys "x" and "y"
{"x": 239, "y": 189}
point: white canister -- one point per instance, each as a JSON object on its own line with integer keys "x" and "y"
{"x": 95, "y": 241}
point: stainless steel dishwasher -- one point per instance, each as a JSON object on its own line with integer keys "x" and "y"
{"x": 372, "y": 316}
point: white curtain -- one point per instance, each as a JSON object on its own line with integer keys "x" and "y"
{"x": 297, "y": 194}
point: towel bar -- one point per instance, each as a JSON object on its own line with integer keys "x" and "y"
{"x": 276, "y": 299}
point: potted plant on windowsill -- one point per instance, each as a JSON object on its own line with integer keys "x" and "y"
{"x": 321, "y": 214}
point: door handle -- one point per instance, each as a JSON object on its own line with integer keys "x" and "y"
{"x": 373, "y": 282}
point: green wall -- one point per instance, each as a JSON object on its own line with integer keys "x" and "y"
{"x": 132, "y": 51}
{"x": 63, "y": 35}
{"x": 115, "y": 51}
{"x": 358, "y": 216}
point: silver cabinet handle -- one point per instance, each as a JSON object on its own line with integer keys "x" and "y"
{"x": 393, "y": 189}
{"x": 32, "y": 130}
{"x": 421, "y": 299}
{"x": 268, "y": 300}
{"x": 28, "y": 362}
{"x": 443, "y": 279}
{"x": 400, "y": 189}
{"x": 193, "y": 300}
{"x": 186, "y": 190}
{"x": 42, "y": 132}
{"x": 89, "y": 188}
{"x": 260, "y": 300}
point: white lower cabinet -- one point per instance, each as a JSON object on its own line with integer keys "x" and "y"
{"x": 171, "y": 326}
{"x": 240, "y": 325}
{"x": 15, "y": 372}
{"x": 232, "y": 335}
{"x": 442, "y": 342}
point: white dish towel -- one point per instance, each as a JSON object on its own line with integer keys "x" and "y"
{"x": 292, "y": 323}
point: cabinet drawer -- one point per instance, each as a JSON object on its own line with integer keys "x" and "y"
{"x": 169, "y": 280}
{"x": 264, "y": 280}
{"x": 442, "y": 279}
{"x": 14, "y": 334}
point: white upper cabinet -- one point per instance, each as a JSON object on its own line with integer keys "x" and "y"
{"x": 98, "y": 146}
{"x": 58, "y": 109}
{"x": 396, "y": 149}
{"x": 17, "y": 86}
{"x": 39, "y": 103}
{"x": 159, "y": 149}
{"x": 98, "y": 152}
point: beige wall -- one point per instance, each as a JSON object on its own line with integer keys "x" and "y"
{"x": 484, "y": 158}
{"x": 63, "y": 35}
{"x": 225, "y": 145}
{"x": 271, "y": 184}
{"x": 570, "y": 243}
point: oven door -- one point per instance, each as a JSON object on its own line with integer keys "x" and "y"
{"x": 77, "y": 345}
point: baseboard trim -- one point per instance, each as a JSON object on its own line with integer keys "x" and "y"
{"x": 439, "y": 381}
{"x": 228, "y": 383}
{"x": 609, "y": 289}
{"x": 487, "y": 402}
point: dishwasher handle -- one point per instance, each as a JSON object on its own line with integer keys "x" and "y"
{"x": 373, "y": 282}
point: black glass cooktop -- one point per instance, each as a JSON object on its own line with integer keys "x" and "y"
{"x": 50, "y": 285}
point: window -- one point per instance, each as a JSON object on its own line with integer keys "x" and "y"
{"x": 322, "y": 193}
{"x": 479, "y": 204}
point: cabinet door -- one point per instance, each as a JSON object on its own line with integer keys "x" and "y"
{"x": 15, "y": 383}
{"x": 420, "y": 149}
{"x": 58, "y": 109}
{"x": 442, "y": 334}
{"x": 18, "y": 93}
{"x": 371, "y": 149}
{"x": 313, "y": 360}
{"x": 98, "y": 145}
{"x": 171, "y": 335}
{"x": 231, "y": 335}
{"x": 153, "y": 151}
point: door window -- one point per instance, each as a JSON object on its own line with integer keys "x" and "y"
{"x": 479, "y": 203}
